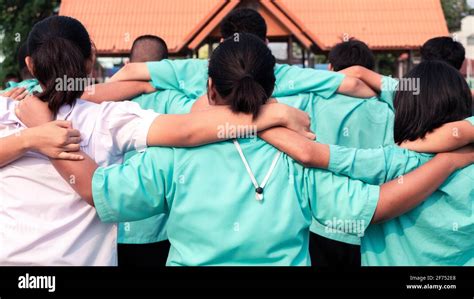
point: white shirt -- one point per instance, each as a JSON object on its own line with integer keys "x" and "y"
{"x": 42, "y": 220}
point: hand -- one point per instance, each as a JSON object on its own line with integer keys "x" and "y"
{"x": 298, "y": 121}
{"x": 147, "y": 87}
{"x": 16, "y": 93}
{"x": 33, "y": 112}
{"x": 462, "y": 157}
{"x": 56, "y": 139}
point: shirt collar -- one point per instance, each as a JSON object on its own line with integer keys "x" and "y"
{"x": 64, "y": 112}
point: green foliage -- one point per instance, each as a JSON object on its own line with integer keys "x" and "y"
{"x": 454, "y": 11}
{"x": 387, "y": 63}
{"x": 17, "y": 17}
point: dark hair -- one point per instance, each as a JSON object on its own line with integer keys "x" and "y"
{"x": 244, "y": 20}
{"x": 444, "y": 48}
{"x": 21, "y": 55}
{"x": 444, "y": 96}
{"x": 242, "y": 70}
{"x": 148, "y": 48}
{"x": 350, "y": 53}
{"x": 59, "y": 47}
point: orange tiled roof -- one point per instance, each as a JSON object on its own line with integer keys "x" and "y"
{"x": 114, "y": 24}
{"x": 184, "y": 24}
{"x": 383, "y": 24}
{"x": 278, "y": 24}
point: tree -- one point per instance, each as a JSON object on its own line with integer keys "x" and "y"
{"x": 17, "y": 17}
{"x": 454, "y": 11}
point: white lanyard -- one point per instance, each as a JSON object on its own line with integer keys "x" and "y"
{"x": 258, "y": 188}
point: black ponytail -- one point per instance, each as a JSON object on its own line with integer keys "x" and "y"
{"x": 59, "y": 48}
{"x": 242, "y": 70}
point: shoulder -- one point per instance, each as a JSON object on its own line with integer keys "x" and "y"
{"x": 84, "y": 109}
{"x": 5, "y": 103}
{"x": 7, "y": 108}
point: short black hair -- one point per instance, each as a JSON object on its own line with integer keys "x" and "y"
{"x": 244, "y": 20}
{"x": 21, "y": 55}
{"x": 444, "y": 48}
{"x": 148, "y": 48}
{"x": 350, "y": 53}
{"x": 443, "y": 97}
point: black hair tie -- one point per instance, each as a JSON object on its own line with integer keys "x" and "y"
{"x": 247, "y": 76}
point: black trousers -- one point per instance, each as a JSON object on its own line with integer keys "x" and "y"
{"x": 329, "y": 253}
{"x": 324, "y": 253}
{"x": 143, "y": 255}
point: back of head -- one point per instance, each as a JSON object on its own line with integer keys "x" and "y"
{"x": 350, "y": 53}
{"x": 242, "y": 71}
{"x": 60, "y": 49}
{"x": 444, "y": 48}
{"x": 148, "y": 48}
{"x": 22, "y": 53}
{"x": 442, "y": 96}
{"x": 244, "y": 20}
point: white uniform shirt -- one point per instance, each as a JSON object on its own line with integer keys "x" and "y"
{"x": 42, "y": 220}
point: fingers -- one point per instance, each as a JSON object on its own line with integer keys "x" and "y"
{"x": 63, "y": 124}
{"x": 310, "y": 135}
{"x": 17, "y": 92}
{"x": 22, "y": 96}
{"x": 7, "y": 94}
{"x": 14, "y": 92}
{"x": 74, "y": 147}
{"x": 73, "y": 133}
{"x": 73, "y": 140}
{"x": 70, "y": 156}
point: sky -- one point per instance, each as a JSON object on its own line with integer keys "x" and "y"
{"x": 471, "y": 3}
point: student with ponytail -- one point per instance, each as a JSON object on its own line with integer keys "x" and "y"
{"x": 56, "y": 226}
{"x": 438, "y": 118}
{"x": 241, "y": 202}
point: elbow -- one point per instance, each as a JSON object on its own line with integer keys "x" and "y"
{"x": 350, "y": 85}
{"x": 358, "y": 84}
{"x": 189, "y": 138}
{"x": 357, "y": 72}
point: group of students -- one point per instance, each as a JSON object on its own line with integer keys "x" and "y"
{"x": 76, "y": 163}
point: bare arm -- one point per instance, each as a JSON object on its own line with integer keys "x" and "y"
{"x": 12, "y": 147}
{"x": 78, "y": 174}
{"x": 116, "y": 91}
{"x": 303, "y": 150}
{"x": 369, "y": 77}
{"x": 55, "y": 139}
{"x": 403, "y": 194}
{"x": 446, "y": 138}
{"x": 397, "y": 196}
{"x": 213, "y": 124}
{"x": 132, "y": 72}
{"x": 355, "y": 87}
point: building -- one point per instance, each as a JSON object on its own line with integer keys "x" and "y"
{"x": 466, "y": 35}
{"x": 299, "y": 31}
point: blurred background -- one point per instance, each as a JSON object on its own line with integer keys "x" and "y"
{"x": 300, "y": 32}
